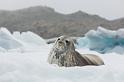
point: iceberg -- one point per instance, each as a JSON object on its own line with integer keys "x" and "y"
{"x": 102, "y": 40}
{"x": 7, "y": 41}
{"x": 30, "y": 38}
{"x": 25, "y": 41}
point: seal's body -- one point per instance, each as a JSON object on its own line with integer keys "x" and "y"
{"x": 63, "y": 53}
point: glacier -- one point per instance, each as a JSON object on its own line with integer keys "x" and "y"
{"x": 102, "y": 40}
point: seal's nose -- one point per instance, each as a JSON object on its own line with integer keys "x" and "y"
{"x": 60, "y": 42}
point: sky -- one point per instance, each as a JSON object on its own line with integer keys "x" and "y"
{"x": 109, "y": 9}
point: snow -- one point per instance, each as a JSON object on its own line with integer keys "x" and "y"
{"x": 102, "y": 40}
{"x": 29, "y": 64}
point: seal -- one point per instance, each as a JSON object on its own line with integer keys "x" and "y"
{"x": 63, "y": 53}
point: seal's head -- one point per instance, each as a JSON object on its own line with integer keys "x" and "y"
{"x": 64, "y": 44}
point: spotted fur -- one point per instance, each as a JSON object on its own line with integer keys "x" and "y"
{"x": 63, "y": 53}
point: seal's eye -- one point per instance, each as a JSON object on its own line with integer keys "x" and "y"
{"x": 58, "y": 38}
{"x": 67, "y": 41}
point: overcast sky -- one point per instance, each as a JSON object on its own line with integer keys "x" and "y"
{"x": 110, "y": 9}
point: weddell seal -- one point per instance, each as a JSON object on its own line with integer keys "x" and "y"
{"x": 63, "y": 53}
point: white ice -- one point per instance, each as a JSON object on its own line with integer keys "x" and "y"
{"x": 29, "y": 38}
{"x": 32, "y": 66}
{"x": 7, "y": 41}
